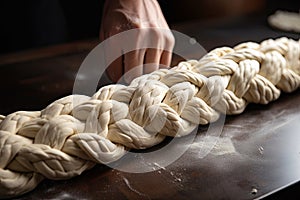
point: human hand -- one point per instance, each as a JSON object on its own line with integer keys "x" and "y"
{"x": 147, "y": 18}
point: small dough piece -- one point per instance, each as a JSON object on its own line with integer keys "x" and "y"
{"x": 284, "y": 20}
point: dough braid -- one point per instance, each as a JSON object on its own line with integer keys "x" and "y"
{"x": 76, "y": 132}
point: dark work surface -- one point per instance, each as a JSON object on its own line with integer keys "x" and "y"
{"x": 257, "y": 150}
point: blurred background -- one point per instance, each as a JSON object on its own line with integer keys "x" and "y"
{"x": 37, "y": 23}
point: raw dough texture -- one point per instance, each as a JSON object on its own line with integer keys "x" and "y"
{"x": 76, "y": 132}
{"x": 284, "y": 20}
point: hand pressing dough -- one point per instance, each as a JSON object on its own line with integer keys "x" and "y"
{"x": 76, "y": 132}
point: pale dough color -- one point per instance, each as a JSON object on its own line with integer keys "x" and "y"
{"x": 74, "y": 133}
{"x": 284, "y": 20}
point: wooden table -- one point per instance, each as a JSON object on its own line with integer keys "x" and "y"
{"x": 258, "y": 151}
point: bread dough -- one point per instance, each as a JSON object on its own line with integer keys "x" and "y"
{"x": 76, "y": 132}
{"x": 284, "y": 20}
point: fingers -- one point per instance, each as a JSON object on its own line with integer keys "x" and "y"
{"x": 137, "y": 63}
{"x": 113, "y": 59}
{"x": 152, "y": 60}
{"x": 161, "y": 56}
{"x": 140, "y": 61}
{"x": 166, "y": 58}
{"x": 115, "y": 70}
{"x": 133, "y": 65}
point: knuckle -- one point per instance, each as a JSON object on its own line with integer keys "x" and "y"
{"x": 170, "y": 39}
{"x": 155, "y": 33}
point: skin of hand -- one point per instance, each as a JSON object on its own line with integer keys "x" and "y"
{"x": 147, "y": 18}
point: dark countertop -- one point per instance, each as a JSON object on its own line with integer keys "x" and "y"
{"x": 257, "y": 152}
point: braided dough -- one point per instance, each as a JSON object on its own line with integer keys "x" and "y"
{"x": 76, "y": 132}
